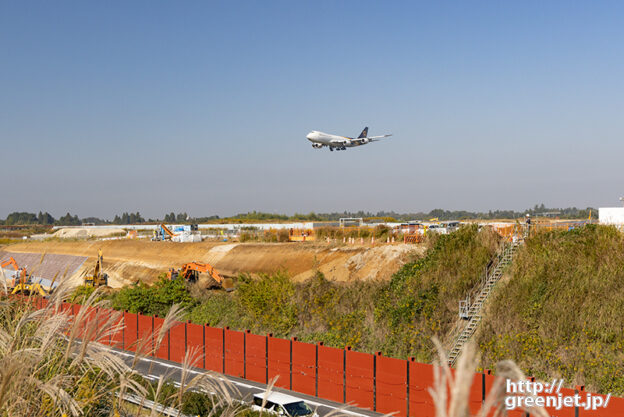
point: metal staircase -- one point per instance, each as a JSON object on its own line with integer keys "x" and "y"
{"x": 470, "y": 314}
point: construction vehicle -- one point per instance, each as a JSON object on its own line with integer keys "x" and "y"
{"x": 26, "y": 286}
{"x": 164, "y": 233}
{"x": 22, "y": 282}
{"x": 191, "y": 272}
{"x": 17, "y": 275}
{"x": 98, "y": 278}
{"x": 185, "y": 233}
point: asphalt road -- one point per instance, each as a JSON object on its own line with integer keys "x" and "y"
{"x": 152, "y": 368}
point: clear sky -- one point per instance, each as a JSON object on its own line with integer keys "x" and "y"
{"x": 204, "y": 106}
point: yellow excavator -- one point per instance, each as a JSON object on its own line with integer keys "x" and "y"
{"x": 98, "y": 278}
{"x": 29, "y": 287}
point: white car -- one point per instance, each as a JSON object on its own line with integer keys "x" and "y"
{"x": 282, "y": 404}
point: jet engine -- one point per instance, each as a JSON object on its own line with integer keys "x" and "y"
{"x": 317, "y": 145}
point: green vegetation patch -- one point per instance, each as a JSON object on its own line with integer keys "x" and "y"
{"x": 560, "y": 314}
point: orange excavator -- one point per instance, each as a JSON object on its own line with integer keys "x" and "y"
{"x": 191, "y": 272}
{"x": 22, "y": 283}
{"x": 20, "y": 277}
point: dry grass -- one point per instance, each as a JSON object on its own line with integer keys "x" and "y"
{"x": 50, "y": 367}
{"x": 451, "y": 393}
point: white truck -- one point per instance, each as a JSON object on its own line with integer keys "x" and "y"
{"x": 281, "y": 404}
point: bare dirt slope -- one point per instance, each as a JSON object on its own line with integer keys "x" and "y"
{"x": 127, "y": 261}
{"x": 51, "y": 266}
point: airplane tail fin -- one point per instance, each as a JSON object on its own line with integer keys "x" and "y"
{"x": 364, "y": 133}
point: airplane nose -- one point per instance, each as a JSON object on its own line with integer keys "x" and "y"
{"x": 309, "y": 136}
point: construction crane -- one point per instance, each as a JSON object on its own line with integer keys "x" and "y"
{"x": 192, "y": 270}
{"x": 98, "y": 278}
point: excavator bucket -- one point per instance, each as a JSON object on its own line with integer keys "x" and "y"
{"x": 228, "y": 284}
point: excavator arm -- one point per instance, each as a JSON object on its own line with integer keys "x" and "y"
{"x": 98, "y": 265}
{"x": 10, "y": 262}
{"x": 97, "y": 278}
{"x": 166, "y": 230}
{"x": 191, "y": 270}
{"x": 202, "y": 267}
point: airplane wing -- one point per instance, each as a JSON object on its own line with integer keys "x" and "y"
{"x": 370, "y": 139}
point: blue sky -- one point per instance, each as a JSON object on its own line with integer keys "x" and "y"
{"x": 203, "y": 107}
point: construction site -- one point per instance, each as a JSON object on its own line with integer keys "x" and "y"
{"x": 359, "y": 302}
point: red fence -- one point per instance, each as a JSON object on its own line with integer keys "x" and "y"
{"x": 386, "y": 385}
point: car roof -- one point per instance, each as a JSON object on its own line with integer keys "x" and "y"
{"x": 279, "y": 398}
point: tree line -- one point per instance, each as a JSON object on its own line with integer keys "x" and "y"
{"x": 45, "y": 218}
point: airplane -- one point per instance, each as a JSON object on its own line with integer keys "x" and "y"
{"x": 340, "y": 143}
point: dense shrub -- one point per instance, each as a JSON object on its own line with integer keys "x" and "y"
{"x": 155, "y": 299}
{"x": 269, "y": 300}
{"x": 421, "y": 300}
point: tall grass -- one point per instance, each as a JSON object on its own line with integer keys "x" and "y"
{"x": 451, "y": 391}
{"x": 49, "y": 365}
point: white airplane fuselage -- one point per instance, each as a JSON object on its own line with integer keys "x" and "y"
{"x": 320, "y": 140}
{"x": 334, "y": 141}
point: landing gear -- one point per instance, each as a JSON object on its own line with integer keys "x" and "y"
{"x": 331, "y": 148}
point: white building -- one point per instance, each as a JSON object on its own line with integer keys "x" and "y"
{"x": 611, "y": 215}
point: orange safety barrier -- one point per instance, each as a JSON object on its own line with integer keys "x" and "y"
{"x": 413, "y": 238}
{"x": 375, "y": 382}
{"x": 301, "y": 235}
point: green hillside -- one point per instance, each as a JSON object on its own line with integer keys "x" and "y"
{"x": 561, "y": 314}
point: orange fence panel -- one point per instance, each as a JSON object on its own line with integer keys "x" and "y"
{"x": 89, "y": 325}
{"x": 214, "y": 344}
{"x": 279, "y": 361}
{"x": 304, "y": 367}
{"x": 177, "y": 342}
{"x": 162, "y": 348}
{"x": 614, "y": 408}
{"x": 391, "y": 390}
{"x": 420, "y": 379}
{"x": 195, "y": 343}
{"x": 360, "y": 374}
{"x": 330, "y": 373}
{"x": 145, "y": 331}
{"x": 131, "y": 331}
{"x": 117, "y": 336}
{"x": 255, "y": 357}
{"x": 475, "y": 398}
{"x": 234, "y": 355}
{"x": 103, "y": 317}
